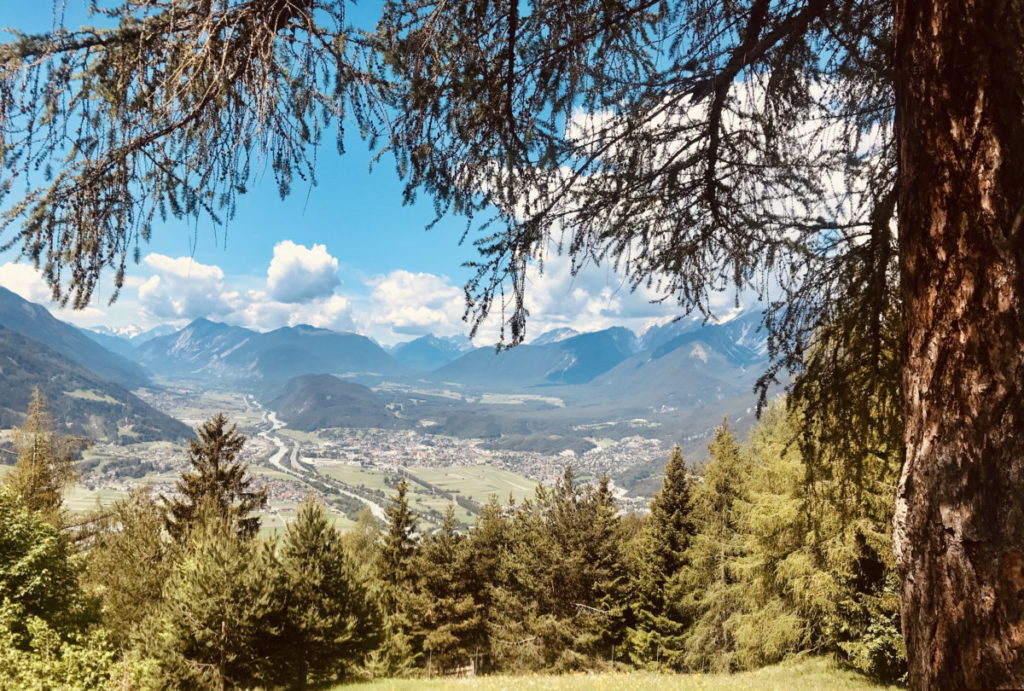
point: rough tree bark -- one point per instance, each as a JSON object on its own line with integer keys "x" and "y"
{"x": 959, "y": 524}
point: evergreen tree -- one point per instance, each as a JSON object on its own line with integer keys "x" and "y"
{"x": 603, "y": 627}
{"x": 704, "y": 586}
{"x": 219, "y": 608}
{"x": 560, "y": 606}
{"x": 330, "y": 623}
{"x": 38, "y": 572}
{"x": 397, "y": 655}
{"x": 362, "y": 544}
{"x": 787, "y": 590}
{"x": 399, "y": 544}
{"x": 44, "y": 466}
{"x": 694, "y": 143}
{"x": 217, "y": 479}
{"x": 128, "y": 562}
{"x": 487, "y": 546}
{"x": 448, "y": 614}
{"x": 658, "y": 635}
{"x": 816, "y": 570}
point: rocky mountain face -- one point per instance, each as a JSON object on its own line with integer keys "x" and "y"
{"x": 125, "y": 341}
{"x": 574, "y": 360}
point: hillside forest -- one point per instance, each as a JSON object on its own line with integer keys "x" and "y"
{"x": 750, "y": 560}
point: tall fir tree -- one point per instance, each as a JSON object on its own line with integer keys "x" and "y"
{"x": 703, "y": 586}
{"x": 561, "y": 606}
{"x": 657, "y": 638}
{"x": 38, "y": 571}
{"x": 220, "y": 607}
{"x": 448, "y": 613}
{"x": 44, "y": 466}
{"x": 217, "y": 479}
{"x": 488, "y": 544}
{"x": 330, "y": 623}
{"x": 397, "y": 654}
{"x": 601, "y": 634}
{"x": 128, "y": 561}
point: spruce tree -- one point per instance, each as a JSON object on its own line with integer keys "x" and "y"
{"x": 603, "y": 621}
{"x": 448, "y": 613}
{"x": 397, "y": 655}
{"x": 704, "y": 587}
{"x": 217, "y": 479}
{"x": 220, "y": 605}
{"x": 128, "y": 561}
{"x": 38, "y": 572}
{"x": 44, "y": 466}
{"x": 488, "y": 546}
{"x": 330, "y": 623}
{"x": 560, "y": 607}
{"x": 657, "y": 638}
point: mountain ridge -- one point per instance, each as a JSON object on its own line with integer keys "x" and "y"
{"x": 35, "y": 322}
{"x": 82, "y": 401}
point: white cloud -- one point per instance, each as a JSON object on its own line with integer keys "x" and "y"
{"x": 26, "y": 281}
{"x": 301, "y": 274}
{"x": 182, "y": 288}
{"x": 258, "y": 311}
{"x": 403, "y": 303}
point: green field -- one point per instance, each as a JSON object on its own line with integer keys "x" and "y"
{"x": 90, "y": 395}
{"x": 478, "y": 482}
{"x": 804, "y": 675}
{"x": 356, "y": 476}
{"x": 78, "y": 499}
{"x": 280, "y": 514}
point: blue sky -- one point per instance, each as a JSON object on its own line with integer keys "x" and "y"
{"x": 345, "y": 254}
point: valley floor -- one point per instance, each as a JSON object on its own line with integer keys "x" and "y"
{"x": 812, "y": 674}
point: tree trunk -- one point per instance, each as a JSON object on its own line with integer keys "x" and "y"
{"x": 959, "y": 524}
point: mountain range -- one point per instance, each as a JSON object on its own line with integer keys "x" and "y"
{"x": 672, "y": 373}
{"x": 35, "y": 322}
{"x": 81, "y": 401}
{"x": 210, "y": 349}
{"x": 428, "y": 353}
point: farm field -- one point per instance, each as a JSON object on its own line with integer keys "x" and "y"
{"x": 78, "y": 499}
{"x": 815, "y": 674}
{"x": 478, "y": 482}
{"x": 357, "y": 476}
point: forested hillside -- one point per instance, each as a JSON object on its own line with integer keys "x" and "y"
{"x": 83, "y": 402}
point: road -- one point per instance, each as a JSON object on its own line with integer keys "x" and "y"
{"x": 298, "y": 468}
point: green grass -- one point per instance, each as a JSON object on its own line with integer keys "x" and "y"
{"x": 356, "y": 476}
{"x": 90, "y": 395}
{"x": 478, "y": 482}
{"x": 78, "y": 499}
{"x": 802, "y": 675}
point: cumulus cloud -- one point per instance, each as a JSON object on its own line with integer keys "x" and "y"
{"x": 403, "y": 303}
{"x": 182, "y": 288}
{"x": 300, "y": 274}
{"x": 257, "y": 310}
{"x": 26, "y": 281}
